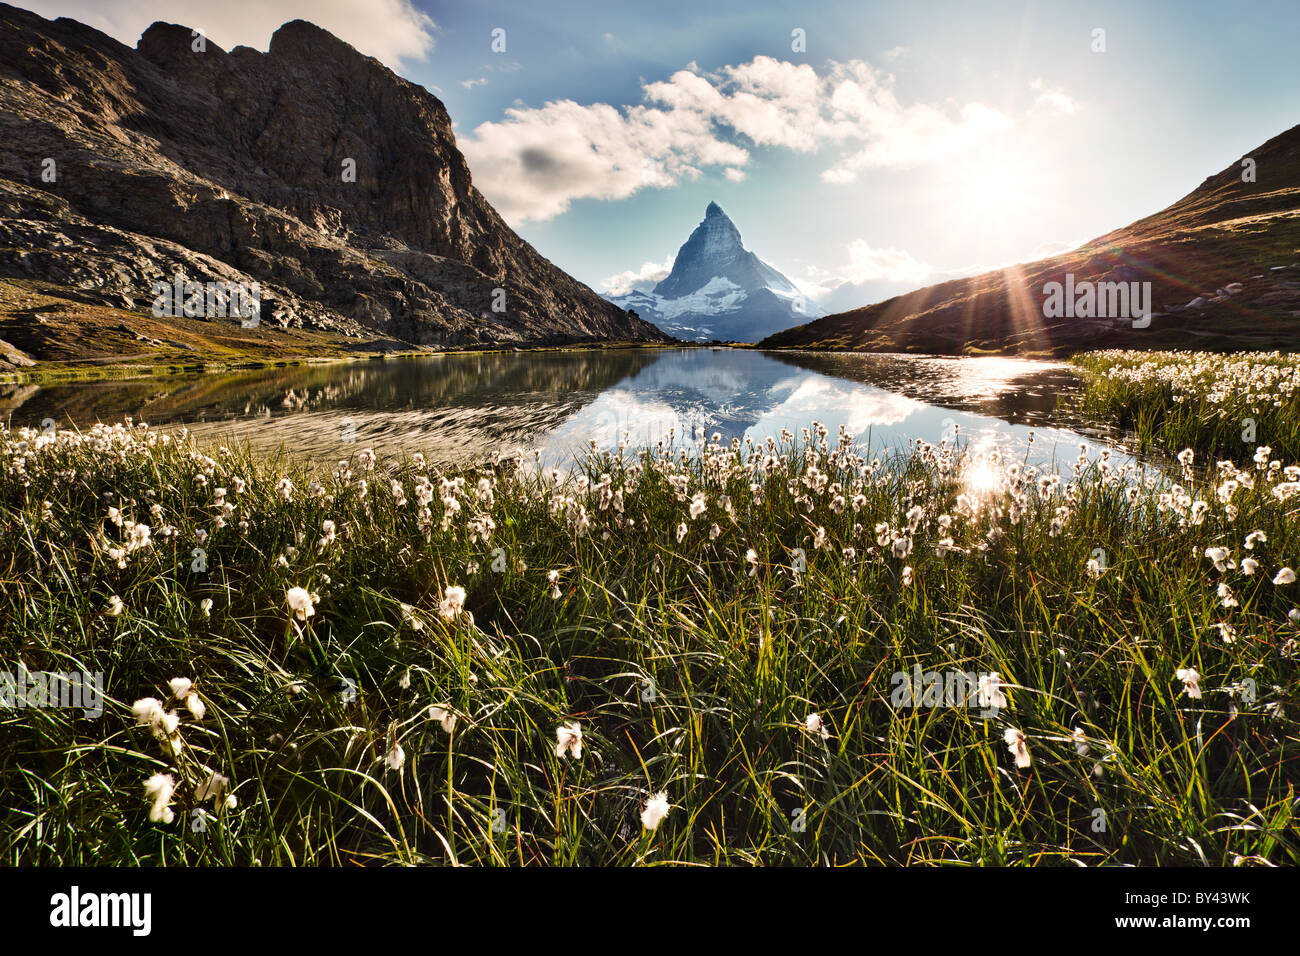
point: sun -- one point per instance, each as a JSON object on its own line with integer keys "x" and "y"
{"x": 990, "y": 191}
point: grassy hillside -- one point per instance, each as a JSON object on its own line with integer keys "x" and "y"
{"x": 1225, "y": 231}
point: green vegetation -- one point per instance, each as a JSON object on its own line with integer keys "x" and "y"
{"x": 1219, "y": 405}
{"x": 366, "y": 710}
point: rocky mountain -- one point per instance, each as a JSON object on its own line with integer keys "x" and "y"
{"x": 718, "y": 289}
{"x": 310, "y": 169}
{"x": 1223, "y": 265}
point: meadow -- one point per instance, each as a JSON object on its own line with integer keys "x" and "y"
{"x": 702, "y": 653}
{"x": 1219, "y": 405}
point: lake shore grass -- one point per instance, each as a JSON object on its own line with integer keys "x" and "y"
{"x": 56, "y": 373}
{"x": 1219, "y": 405}
{"x": 388, "y": 664}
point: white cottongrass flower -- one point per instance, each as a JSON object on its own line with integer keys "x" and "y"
{"x": 214, "y": 788}
{"x": 1285, "y": 490}
{"x": 183, "y": 690}
{"x": 907, "y": 575}
{"x": 159, "y": 789}
{"x": 990, "y": 691}
{"x": 814, "y": 724}
{"x": 1191, "y": 681}
{"x": 1249, "y": 566}
{"x": 148, "y": 711}
{"x": 444, "y": 717}
{"x": 697, "y": 505}
{"x": 751, "y": 558}
{"x": 206, "y": 607}
{"x": 1285, "y": 576}
{"x": 568, "y": 739}
{"x": 453, "y": 602}
{"x": 140, "y": 537}
{"x": 1219, "y": 556}
{"x": 1080, "y": 740}
{"x": 396, "y": 758}
{"x": 656, "y": 809}
{"x": 411, "y": 617}
{"x": 681, "y": 532}
{"x": 115, "y": 606}
{"x": 1015, "y": 741}
{"x": 553, "y": 578}
{"x": 301, "y": 603}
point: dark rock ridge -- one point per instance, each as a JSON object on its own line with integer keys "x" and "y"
{"x": 718, "y": 289}
{"x": 1223, "y": 265}
{"x": 229, "y": 166}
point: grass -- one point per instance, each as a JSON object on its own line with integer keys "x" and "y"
{"x": 1218, "y": 405}
{"x": 687, "y": 673}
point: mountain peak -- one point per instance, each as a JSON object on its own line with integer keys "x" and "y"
{"x": 719, "y": 289}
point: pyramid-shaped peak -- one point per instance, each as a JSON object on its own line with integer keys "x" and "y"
{"x": 714, "y": 210}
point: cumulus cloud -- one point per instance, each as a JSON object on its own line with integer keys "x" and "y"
{"x": 887, "y": 270}
{"x": 645, "y": 278}
{"x": 393, "y": 31}
{"x": 869, "y": 264}
{"x": 1052, "y": 99}
{"x": 536, "y": 161}
{"x": 736, "y": 175}
{"x": 470, "y": 84}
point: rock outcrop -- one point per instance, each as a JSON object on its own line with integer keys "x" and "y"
{"x": 122, "y": 167}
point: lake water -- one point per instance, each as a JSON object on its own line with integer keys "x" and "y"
{"x": 465, "y": 407}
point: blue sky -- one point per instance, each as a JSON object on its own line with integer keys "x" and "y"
{"x": 904, "y": 143}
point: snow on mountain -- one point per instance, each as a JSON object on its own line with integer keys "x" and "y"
{"x": 718, "y": 289}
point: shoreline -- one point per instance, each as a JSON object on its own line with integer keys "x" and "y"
{"x": 61, "y": 373}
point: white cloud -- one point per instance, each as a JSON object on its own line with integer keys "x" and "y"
{"x": 735, "y": 175}
{"x": 536, "y": 161}
{"x": 869, "y": 264}
{"x": 645, "y": 278}
{"x": 841, "y": 287}
{"x": 1052, "y": 99}
{"x": 470, "y": 84}
{"x": 393, "y": 31}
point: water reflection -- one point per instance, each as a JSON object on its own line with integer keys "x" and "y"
{"x": 468, "y": 407}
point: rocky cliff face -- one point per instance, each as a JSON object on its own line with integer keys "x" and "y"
{"x": 122, "y": 167}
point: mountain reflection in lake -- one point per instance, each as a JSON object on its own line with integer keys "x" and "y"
{"x": 458, "y": 408}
